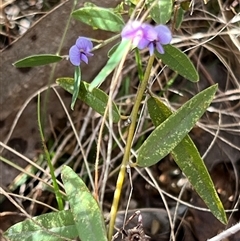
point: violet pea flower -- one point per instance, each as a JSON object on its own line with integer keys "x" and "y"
{"x": 80, "y": 51}
{"x": 145, "y": 35}
{"x": 141, "y": 34}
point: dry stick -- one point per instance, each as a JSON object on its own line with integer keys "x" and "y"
{"x": 164, "y": 202}
{"x": 21, "y": 110}
{"x": 77, "y": 137}
{"x": 107, "y": 111}
{"x": 127, "y": 152}
{"x": 226, "y": 233}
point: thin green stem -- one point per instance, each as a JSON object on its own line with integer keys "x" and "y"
{"x": 66, "y": 28}
{"x": 139, "y": 64}
{"x": 125, "y": 161}
{"x": 53, "y": 69}
{"x": 48, "y": 157}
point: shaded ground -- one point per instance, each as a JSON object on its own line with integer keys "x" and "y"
{"x": 216, "y": 135}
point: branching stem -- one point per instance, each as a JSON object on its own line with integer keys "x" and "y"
{"x": 126, "y": 157}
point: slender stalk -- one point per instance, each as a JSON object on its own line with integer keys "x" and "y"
{"x": 48, "y": 157}
{"x": 125, "y": 161}
{"x": 53, "y": 69}
{"x": 66, "y": 28}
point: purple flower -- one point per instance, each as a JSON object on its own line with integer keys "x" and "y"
{"x": 141, "y": 34}
{"x": 164, "y": 36}
{"x": 145, "y": 35}
{"x": 80, "y": 51}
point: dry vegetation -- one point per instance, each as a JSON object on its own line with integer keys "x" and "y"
{"x": 210, "y": 36}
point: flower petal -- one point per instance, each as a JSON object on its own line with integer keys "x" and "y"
{"x": 84, "y": 58}
{"x": 84, "y": 44}
{"x": 151, "y": 48}
{"x": 130, "y": 30}
{"x": 145, "y": 35}
{"x": 80, "y": 51}
{"x": 74, "y": 55}
{"x": 141, "y": 34}
{"x": 133, "y": 31}
{"x": 160, "y": 48}
{"x": 143, "y": 43}
{"x": 149, "y": 31}
{"x": 164, "y": 34}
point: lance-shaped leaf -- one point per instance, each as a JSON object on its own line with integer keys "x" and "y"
{"x": 114, "y": 60}
{"x": 96, "y": 99}
{"x": 101, "y": 18}
{"x": 37, "y": 60}
{"x": 77, "y": 82}
{"x": 171, "y": 132}
{"x": 85, "y": 209}
{"x": 55, "y": 226}
{"x": 179, "y": 62}
{"x": 189, "y": 160}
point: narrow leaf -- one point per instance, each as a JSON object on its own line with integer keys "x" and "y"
{"x": 161, "y": 12}
{"x": 179, "y": 18}
{"x": 86, "y": 212}
{"x": 53, "y": 226}
{"x": 179, "y": 62}
{"x": 96, "y": 99}
{"x": 171, "y": 132}
{"x": 112, "y": 50}
{"x": 114, "y": 60}
{"x": 37, "y": 60}
{"x": 189, "y": 160}
{"x": 77, "y": 81}
{"x": 100, "y": 18}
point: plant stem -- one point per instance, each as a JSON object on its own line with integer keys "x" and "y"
{"x": 125, "y": 161}
{"x": 48, "y": 157}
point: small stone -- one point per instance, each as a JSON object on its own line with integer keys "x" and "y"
{"x": 24, "y": 25}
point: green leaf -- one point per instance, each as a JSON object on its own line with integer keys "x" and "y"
{"x": 37, "y": 60}
{"x": 189, "y": 160}
{"x": 86, "y": 212}
{"x": 96, "y": 99}
{"x": 47, "y": 227}
{"x": 112, "y": 50}
{"x": 185, "y": 5}
{"x": 179, "y": 62}
{"x": 161, "y": 12}
{"x": 100, "y": 18}
{"x": 114, "y": 60}
{"x": 179, "y": 18}
{"x": 171, "y": 132}
{"x": 77, "y": 81}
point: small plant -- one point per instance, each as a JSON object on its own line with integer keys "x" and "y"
{"x": 170, "y": 135}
